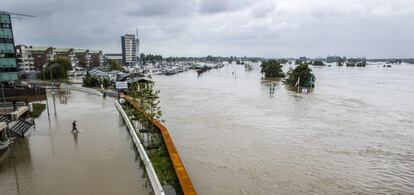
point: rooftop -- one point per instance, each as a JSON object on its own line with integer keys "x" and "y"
{"x": 31, "y": 48}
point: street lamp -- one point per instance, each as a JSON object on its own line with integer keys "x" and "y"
{"x": 53, "y": 86}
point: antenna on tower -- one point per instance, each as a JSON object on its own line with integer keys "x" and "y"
{"x": 137, "y": 44}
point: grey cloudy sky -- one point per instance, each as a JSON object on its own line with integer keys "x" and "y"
{"x": 268, "y": 28}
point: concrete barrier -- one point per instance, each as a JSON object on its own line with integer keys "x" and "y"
{"x": 155, "y": 183}
{"x": 82, "y": 89}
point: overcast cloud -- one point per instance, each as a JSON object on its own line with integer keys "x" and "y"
{"x": 268, "y": 28}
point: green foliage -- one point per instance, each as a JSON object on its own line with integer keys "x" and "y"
{"x": 211, "y": 58}
{"x": 91, "y": 81}
{"x": 307, "y": 78}
{"x": 159, "y": 156}
{"x": 283, "y": 61}
{"x": 56, "y": 69}
{"x": 297, "y": 62}
{"x": 82, "y": 64}
{"x": 163, "y": 166}
{"x": 150, "y": 58}
{"x": 113, "y": 65}
{"x": 37, "y": 110}
{"x": 106, "y": 82}
{"x": 318, "y": 63}
{"x": 147, "y": 96}
{"x": 272, "y": 69}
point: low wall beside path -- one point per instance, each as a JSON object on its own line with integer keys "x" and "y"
{"x": 182, "y": 175}
{"x": 155, "y": 183}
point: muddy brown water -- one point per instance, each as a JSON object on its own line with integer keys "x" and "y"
{"x": 99, "y": 160}
{"x": 354, "y": 134}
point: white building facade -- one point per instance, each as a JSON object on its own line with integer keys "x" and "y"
{"x": 129, "y": 50}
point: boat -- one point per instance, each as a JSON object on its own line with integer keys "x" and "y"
{"x": 202, "y": 70}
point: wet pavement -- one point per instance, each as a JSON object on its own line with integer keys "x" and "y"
{"x": 354, "y": 134}
{"x": 98, "y": 160}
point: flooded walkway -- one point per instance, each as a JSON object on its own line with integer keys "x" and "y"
{"x": 99, "y": 160}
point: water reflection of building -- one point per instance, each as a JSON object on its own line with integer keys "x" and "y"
{"x": 11, "y": 160}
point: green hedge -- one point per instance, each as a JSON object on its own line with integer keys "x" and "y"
{"x": 37, "y": 110}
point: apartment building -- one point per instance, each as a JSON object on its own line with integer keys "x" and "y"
{"x": 8, "y": 63}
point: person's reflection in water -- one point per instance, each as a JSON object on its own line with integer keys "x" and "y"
{"x": 75, "y": 138}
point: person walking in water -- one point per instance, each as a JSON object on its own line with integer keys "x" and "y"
{"x": 74, "y": 129}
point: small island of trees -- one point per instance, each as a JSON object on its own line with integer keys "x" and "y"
{"x": 272, "y": 69}
{"x": 300, "y": 76}
{"x": 318, "y": 63}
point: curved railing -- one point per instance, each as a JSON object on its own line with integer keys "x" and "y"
{"x": 182, "y": 175}
{"x": 155, "y": 183}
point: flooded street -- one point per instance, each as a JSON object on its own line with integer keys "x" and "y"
{"x": 353, "y": 134}
{"x": 99, "y": 160}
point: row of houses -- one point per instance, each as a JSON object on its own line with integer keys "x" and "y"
{"x": 31, "y": 59}
{"x": 112, "y": 76}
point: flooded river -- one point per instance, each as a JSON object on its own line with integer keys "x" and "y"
{"x": 99, "y": 160}
{"x": 353, "y": 134}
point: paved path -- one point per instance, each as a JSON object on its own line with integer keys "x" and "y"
{"x": 99, "y": 160}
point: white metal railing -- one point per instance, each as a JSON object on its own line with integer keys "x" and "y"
{"x": 155, "y": 182}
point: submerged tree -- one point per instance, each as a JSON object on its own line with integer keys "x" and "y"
{"x": 56, "y": 69}
{"x": 91, "y": 81}
{"x": 303, "y": 74}
{"x": 272, "y": 69}
{"x": 114, "y": 65}
{"x": 318, "y": 63}
{"x": 147, "y": 97}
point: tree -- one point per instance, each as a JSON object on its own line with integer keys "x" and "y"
{"x": 56, "y": 69}
{"x": 82, "y": 64}
{"x": 142, "y": 56}
{"x": 91, "y": 81}
{"x": 113, "y": 65}
{"x": 272, "y": 69}
{"x": 106, "y": 82}
{"x": 148, "y": 97}
{"x": 307, "y": 78}
{"x": 318, "y": 63}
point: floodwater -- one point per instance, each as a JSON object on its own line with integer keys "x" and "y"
{"x": 99, "y": 160}
{"x": 354, "y": 134}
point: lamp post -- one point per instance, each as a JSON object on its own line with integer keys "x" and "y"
{"x": 53, "y": 86}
